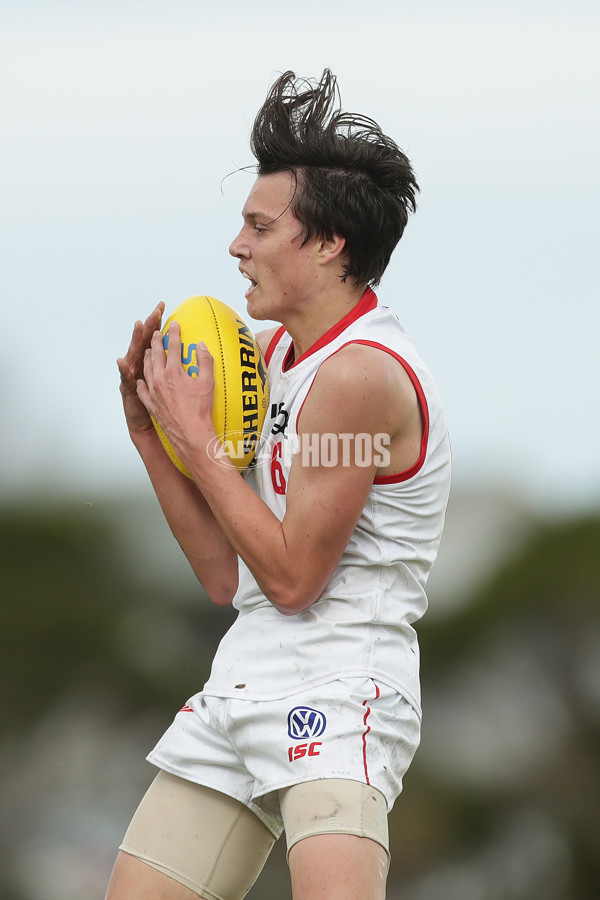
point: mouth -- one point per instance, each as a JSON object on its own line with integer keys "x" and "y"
{"x": 253, "y": 284}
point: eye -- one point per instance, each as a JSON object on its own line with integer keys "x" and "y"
{"x": 259, "y": 229}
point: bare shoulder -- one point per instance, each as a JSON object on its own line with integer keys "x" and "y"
{"x": 361, "y": 389}
{"x": 264, "y": 338}
{"x": 363, "y": 373}
{"x": 364, "y": 389}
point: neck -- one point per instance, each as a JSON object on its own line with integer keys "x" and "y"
{"x": 307, "y": 325}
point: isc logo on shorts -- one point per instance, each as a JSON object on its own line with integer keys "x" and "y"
{"x": 305, "y": 723}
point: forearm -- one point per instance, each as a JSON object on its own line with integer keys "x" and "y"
{"x": 280, "y": 566}
{"x": 290, "y": 562}
{"x": 191, "y": 520}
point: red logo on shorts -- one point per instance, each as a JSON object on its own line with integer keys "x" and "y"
{"x": 301, "y": 750}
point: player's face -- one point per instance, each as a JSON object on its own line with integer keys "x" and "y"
{"x": 281, "y": 270}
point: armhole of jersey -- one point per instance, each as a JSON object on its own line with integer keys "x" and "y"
{"x": 273, "y": 343}
{"x": 422, "y": 400}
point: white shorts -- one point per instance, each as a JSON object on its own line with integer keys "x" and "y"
{"x": 352, "y": 728}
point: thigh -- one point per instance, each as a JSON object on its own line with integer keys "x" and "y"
{"x": 133, "y": 879}
{"x": 206, "y": 841}
{"x": 337, "y": 840}
{"x": 338, "y": 867}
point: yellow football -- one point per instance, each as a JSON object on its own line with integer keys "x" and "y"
{"x": 241, "y": 387}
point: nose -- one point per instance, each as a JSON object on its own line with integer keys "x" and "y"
{"x": 237, "y": 248}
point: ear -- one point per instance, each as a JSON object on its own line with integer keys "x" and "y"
{"x": 330, "y": 249}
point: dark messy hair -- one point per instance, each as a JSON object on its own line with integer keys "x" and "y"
{"x": 351, "y": 179}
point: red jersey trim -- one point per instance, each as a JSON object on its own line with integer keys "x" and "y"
{"x": 409, "y": 473}
{"x": 273, "y": 343}
{"x": 367, "y": 302}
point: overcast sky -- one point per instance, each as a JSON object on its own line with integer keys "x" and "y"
{"x": 120, "y": 120}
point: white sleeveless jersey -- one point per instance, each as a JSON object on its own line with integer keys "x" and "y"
{"x": 362, "y": 623}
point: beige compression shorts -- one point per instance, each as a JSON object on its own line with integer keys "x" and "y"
{"x": 217, "y": 847}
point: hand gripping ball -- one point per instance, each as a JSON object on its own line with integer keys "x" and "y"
{"x": 241, "y": 387}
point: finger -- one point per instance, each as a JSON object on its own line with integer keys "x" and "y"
{"x": 143, "y": 331}
{"x": 174, "y": 356}
{"x": 147, "y": 369}
{"x": 144, "y": 394}
{"x": 204, "y": 357}
{"x": 129, "y": 364}
{"x": 136, "y": 339}
{"x": 206, "y": 366}
{"x": 157, "y": 350}
{"x": 123, "y": 368}
{"x": 153, "y": 321}
{"x": 156, "y": 312}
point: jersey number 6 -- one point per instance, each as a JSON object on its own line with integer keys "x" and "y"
{"x": 277, "y": 476}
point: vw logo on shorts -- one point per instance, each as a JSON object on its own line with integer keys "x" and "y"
{"x": 304, "y": 722}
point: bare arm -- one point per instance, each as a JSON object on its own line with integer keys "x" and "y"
{"x": 189, "y": 516}
{"x": 356, "y": 391}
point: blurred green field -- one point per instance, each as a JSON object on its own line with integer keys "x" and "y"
{"x": 500, "y": 804}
